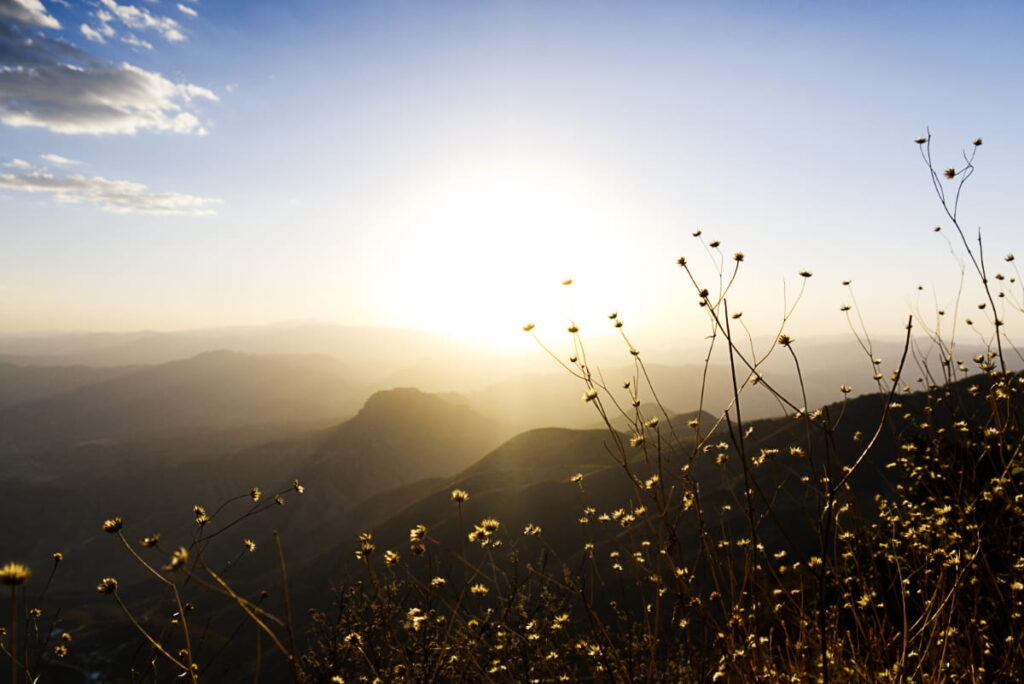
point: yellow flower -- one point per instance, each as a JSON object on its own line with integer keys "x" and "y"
{"x": 460, "y": 495}
{"x": 113, "y": 525}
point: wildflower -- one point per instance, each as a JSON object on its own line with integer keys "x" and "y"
{"x": 35, "y": 612}
{"x": 844, "y": 307}
{"x": 573, "y": 329}
{"x": 950, "y": 173}
{"x": 366, "y": 546}
{"x": 613, "y": 315}
{"x": 14, "y": 574}
{"x": 697, "y": 233}
{"x": 738, "y": 256}
{"x": 107, "y": 585}
{"x": 1009, "y": 257}
{"x": 845, "y": 389}
{"x": 490, "y": 525}
{"x": 681, "y": 261}
{"x": 438, "y": 582}
{"x": 713, "y": 244}
{"x": 418, "y": 549}
{"x": 201, "y": 517}
{"x": 255, "y": 494}
{"x": 532, "y": 530}
{"x": 479, "y": 589}
{"x": 297, "y": 486}
{"x": 390, "y": 557}
{"x": 636, "y": 440}
{"x": 528, "y": 327}
{"x": 921, "y": 141}
{"x": 805, "y": 274}
{"x": 113, "y": 525}
{"x": 65, "y": 637}
{"x": 418, "y": 533}
{"x": 416, "y": 617}
{"x": 577, "y": 478}
{"x": 279, "y": 500}
{"x": 178, "y": 559}
{"x": 590, "y": 395}
{"x": 568, "y": 281}
{"x": 737, "y": 315}
{"x": 249, "y": 544}
{"x": 60, "y": 650}
{"x": 151, "y": 541}
{"x": 976, "y": 142}
{"x": 785, "y": 340}
{"x": 58, "y": 557}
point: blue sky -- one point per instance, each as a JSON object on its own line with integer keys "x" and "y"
{"x": 444, "y": 165}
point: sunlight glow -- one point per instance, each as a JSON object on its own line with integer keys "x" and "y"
{"x": 485, "y": 255}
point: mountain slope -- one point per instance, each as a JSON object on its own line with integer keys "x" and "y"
{"x": 212, "y": 391}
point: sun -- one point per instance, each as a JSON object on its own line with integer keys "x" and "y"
{"x": 486, "y": 254}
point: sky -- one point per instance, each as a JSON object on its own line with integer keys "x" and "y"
{"x": 447, "y": 165}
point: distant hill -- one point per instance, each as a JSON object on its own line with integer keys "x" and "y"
{"x": 21, "y": 384}
{"x": 212, "y": 391}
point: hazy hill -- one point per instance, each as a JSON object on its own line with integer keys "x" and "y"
{"x": 20, "y": 384}
{"x": 212, "y": 391}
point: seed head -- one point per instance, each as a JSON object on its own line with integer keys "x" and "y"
{"x": 976, "y": 142}
{"x": 107, "y": 585}
{"x": 178, "y": 559}
{"x": 950, "y": 173}
{"x": 738, "y": 256}
{"x": 785, "y": 340}
{"x": 14, "y": 574}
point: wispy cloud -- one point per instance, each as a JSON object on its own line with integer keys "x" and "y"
{"x": 92, "y": 34}
{"x": 49, "y": 83}
{"x": 57, "y": 159}
{"x": 140, "y": 18}
{"x": 185, "y": 9}
{"x": 28, "y": 12}
{"x": 135, "y": 41}
{"x": 119, "y": 197}
{"x": 18, "y": 164}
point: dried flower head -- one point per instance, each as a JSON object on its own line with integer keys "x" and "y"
{"x": 528, "y": 327}
{"x": 107, "y": 585}
{"x": 921, "y": 141}
{"x": 460, "y": 495}
{"x": 785, "y": 340}
{"x": 178, "y": 559}
{"x": 14, "y": 574}
{"x": 113, "y": 525}
{"x": 950, "y": 173}
{"x": 150, "y": 541}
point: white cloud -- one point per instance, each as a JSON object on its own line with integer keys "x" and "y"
{"x": 132, "y": 39}
{"x": 92, "y": 34}
{"x": 138, "y": 18}
{"x": 18, "y": 164}
{"x": 57, "y": 159}
{"x": 28, "y": 12}
{"x": 52, "y": 84}
{"x": 185, "y": 9}
{"x": 119, "y": 197}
